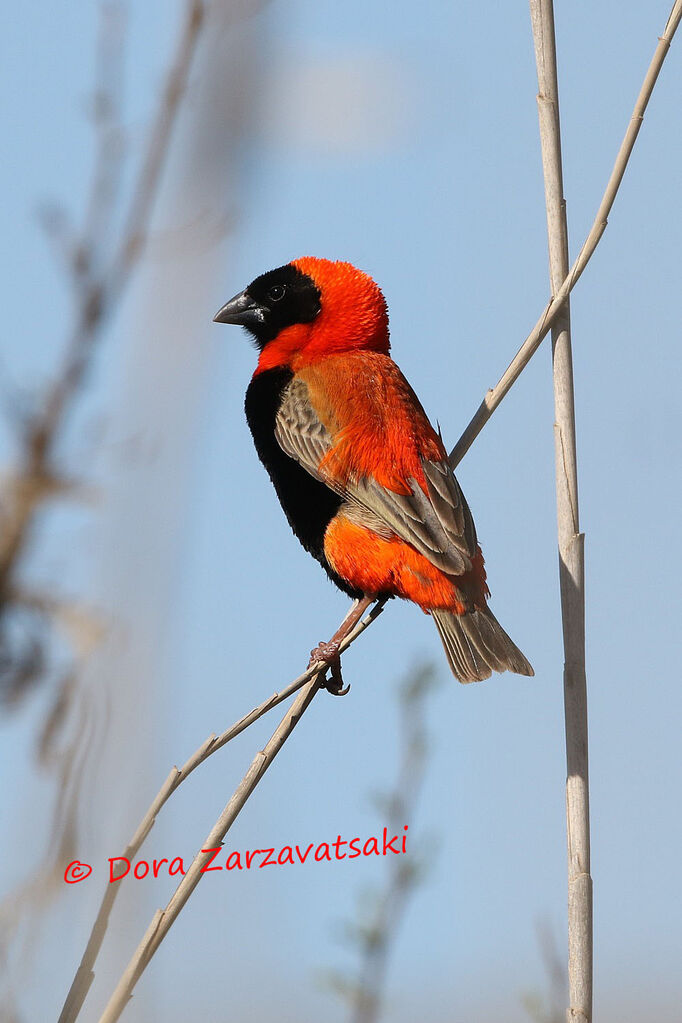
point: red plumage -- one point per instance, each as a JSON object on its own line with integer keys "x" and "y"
{"x": 327, "y": 398}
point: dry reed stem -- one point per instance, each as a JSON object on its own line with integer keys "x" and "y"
{"x": 98, "y": 280}
{"x": 380, "y": 932}
{"x": 85, "y": 973}
{"x": 97, "y": 291}
{"x": 570, "y": 540}
{"x": 553, "y": 307}
{"x": 162, "y": 919}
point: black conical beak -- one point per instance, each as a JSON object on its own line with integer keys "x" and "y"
{"x": 242, "y": 310}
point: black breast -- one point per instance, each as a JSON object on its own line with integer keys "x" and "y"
{"x": 308, "y": 504}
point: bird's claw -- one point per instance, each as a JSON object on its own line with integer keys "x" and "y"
{"x": 329, "y": 654}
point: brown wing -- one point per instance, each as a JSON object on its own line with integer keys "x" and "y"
{"x": 299, "y": 430}
{"x": 438, "y": 524}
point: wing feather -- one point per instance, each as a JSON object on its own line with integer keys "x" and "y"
{"x": 437, "y": 523}
{"x": 299, "y": 430}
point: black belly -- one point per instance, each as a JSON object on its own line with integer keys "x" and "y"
{"x": 308, "y": 504}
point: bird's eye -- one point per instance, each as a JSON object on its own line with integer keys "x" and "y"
{"x": 277, "y": 292}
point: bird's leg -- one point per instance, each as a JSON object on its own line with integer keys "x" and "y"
{"x": 329, "y": 652}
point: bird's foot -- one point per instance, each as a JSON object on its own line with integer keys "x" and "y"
{"x": 329, "y": 654}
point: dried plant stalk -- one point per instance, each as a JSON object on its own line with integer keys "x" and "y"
{"x": 377, "y": 937}
{"x": 85, "y": 973}
{"x": 98, "y": 291}
{"x": 553, "y": 307}
{"x": 570, "y": 539}
{"x": 163, "y": 919}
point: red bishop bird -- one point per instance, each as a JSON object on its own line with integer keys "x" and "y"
{"x": 361, "y": 474}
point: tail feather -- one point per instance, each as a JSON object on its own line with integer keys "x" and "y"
{"x": 476, "y": 645}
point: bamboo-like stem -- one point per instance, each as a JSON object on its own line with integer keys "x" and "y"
{"x": 99, "y": 289}
{"x": 379, "y": 933}
{"x": 570, "y": 539}
{"x": 163, "y": 919}
{"x": 85, "y": 973}
{"x": 488, "y": 406}
{"x": 553, "y": 307}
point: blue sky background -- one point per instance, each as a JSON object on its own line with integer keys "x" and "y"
{"x": 406, "y": 142}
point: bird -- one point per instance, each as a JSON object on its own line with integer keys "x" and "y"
{"x": 362, "y": 476}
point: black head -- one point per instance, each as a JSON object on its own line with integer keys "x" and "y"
{"x": 275, "y": 300}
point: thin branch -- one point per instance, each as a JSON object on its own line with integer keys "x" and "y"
{"x": 571, "y": 545}
{"x": 93, "y": 264}
{"x": 139, "y": 213}
{"x": 37, "y": 478}
{"x": 85, "y": 975}
{"x": 107, "y": 117}
{"x": 377, "y": 936}
{"x": 553, "y": 307}
{"x": 163, "y": 919}
{"x": 101, "y": 292}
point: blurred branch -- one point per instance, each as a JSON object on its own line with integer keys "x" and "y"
{"x": 570, "y": 539}
{"x": 554, "y": 306}
{"x": 99, "y": 286}
{"x": 28, "y": 901}
{"x": 98, "y": 264}
{"x": 312, "y": 680}
{"x": 107, "y": 118}
{"x": 164, "y": 919}
{"x": 548, "y": 1008}
{"x": 144, "y": 194}
{"x": 375, "y": 935}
